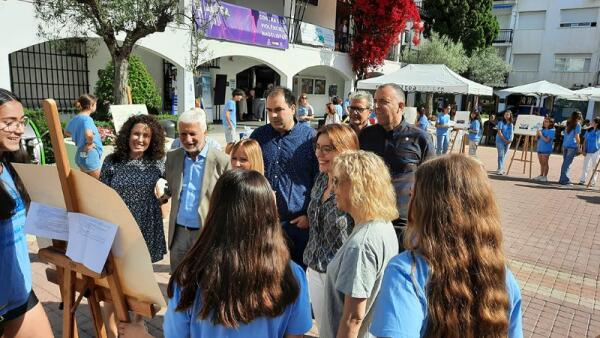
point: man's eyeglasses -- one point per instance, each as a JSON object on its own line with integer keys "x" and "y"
{"x": 326, "y": 149}
{"x": 14, "y": 125}
{"x": 356, "y": 110}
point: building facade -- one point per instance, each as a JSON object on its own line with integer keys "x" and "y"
{"x": 315, "y": 61}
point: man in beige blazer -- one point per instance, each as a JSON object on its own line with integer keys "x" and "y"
{"x": 191, "y": 172}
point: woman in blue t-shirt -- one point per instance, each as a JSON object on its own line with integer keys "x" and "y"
{"x": 503, "y": 139}
{"x": 85, "y": 134}
{"x": 592, "y": 152}
{"x": 545, "y": 142}
{"x": 423, "y": 119}
{"x": 570, "y": 145}
{"x": 474, "y": 132}
{"x": 21, "y": 314}
{"x": 238, "y": 279}
{"x": 450, "y": 286}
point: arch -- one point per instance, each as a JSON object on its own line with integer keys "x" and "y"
{"x": 344, "y": 76}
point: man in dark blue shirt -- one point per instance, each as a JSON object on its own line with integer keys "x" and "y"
{"x": 290, "y": 166}
{"x": 402, "y": 146}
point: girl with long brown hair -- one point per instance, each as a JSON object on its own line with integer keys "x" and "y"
{"x": 453, "y": 280}
{"x": 571, "y": 142}
{"x": 237, "y": 280}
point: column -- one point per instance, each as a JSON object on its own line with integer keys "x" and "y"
{"x": 185, "y": 90}
{"x": 590, "y": 110}
{"x": 5, "y": 73}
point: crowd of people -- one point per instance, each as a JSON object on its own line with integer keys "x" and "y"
{"x": 294, "y": 223}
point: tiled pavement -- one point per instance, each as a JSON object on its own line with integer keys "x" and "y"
{"x": 552, "y": 241}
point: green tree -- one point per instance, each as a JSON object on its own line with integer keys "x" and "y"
{"x": 439, "y": 50}
{"x": 119, "y": 23}
{"x": 143, "y": 87}
{"x": 487, "y": 67}
{"x": 468, "y": 21}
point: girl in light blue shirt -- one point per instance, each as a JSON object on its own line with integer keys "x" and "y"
{"x": 571, "y": 143}
{"x": 427, "y": 291}
{"x": 591, "y": 150}
{"x": 503, "y": 139}
{"x": 474, "y": 133}
{"x": 238, "y": 279}
{"x": 545, "y": 142}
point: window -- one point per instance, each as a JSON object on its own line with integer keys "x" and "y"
{"x": 578, "y": 17}
{"x": 532, "y": 20}
{"x": 526, "y": 62}
{"x": 566, "y": 63}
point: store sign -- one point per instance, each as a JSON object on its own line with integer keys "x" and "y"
{"x": 230, "y": 22}
{"x": 317, "y": 36}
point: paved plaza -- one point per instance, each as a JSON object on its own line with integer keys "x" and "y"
{"x": 552, "y": 241}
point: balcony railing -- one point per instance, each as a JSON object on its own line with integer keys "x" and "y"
{"x": 504, "y": 36}
{"x": 343, "y": 41}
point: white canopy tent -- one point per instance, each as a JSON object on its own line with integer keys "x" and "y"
{"x": 428, "y": 79}
{"x": 593, "y": 95}
{"x": 540, "y": 89}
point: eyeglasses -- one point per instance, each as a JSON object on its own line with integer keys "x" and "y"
{"x": 303, "y": 97}
{"x": 326, "y": 149}
{"x": 356, "y": 110}
{"x": 14, "y": 125}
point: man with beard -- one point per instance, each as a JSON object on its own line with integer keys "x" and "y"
{"x": 191, "y": 172}
{"x": 290, "y": 166}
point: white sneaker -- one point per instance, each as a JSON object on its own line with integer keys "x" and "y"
{"x": 500, "y": 172}
{"x": 538, "y": 178}
{"x": 543, "y": 179}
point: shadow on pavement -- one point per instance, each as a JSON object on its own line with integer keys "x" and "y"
{"x": 590, "y": 199}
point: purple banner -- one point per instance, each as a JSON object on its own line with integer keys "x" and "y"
{"x": 229, "y": 22}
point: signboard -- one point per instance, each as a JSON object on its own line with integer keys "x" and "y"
{"x": 462, "y": 120}
{"x": 317, "y": 36}
{"x": 230, "y": 22}
{"x": 121, "y": 112}
{"x": 528, "y": 124}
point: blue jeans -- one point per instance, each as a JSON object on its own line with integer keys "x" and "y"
{"x": 502, "y": 150}
{"x": 568, "y": 156}
{"x": 442, "y": 144}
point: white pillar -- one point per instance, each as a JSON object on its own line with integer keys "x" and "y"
{"x": 458, "y": 101}
{"x": 5, "y": 73}
{"x": 410, "y": 99}
{"x": 185, "y": 90}
{"x": 590, "y": 110}
{"x": 287, "y": 81}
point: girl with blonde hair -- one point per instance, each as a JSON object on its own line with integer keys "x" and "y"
{"x": 363, "y": 188}
{"x": 453, "y": 280}
{"x": 246, "y": 154}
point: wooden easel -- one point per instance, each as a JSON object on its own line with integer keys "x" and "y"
{"x": 527, "y": 149}
{"x": 595, "y": 172}
{"x": 73, "y": 277}
{"x": 463, "y": 140}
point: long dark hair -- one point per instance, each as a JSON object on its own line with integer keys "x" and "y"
{"x": 572, "y": 122}
{"x": 7, "y": 203}
{"x": 155, "y": 151}
{"x": 240, "y": 264}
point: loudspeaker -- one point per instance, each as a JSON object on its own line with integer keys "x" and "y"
{"x": 220, "y": 84}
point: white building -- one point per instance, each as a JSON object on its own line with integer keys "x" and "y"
{"x": 31, "y": 68}
{"x": 553, "y": 40}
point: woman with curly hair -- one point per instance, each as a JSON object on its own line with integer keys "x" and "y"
{"x": 453, "y": 280}
{"x": 133, "y": 170}
{"x": 363, "y": 188}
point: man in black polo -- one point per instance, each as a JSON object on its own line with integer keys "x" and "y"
{"x": 402, "y": 146}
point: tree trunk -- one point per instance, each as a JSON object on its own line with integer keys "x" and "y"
{"x": 121, "y": 80}
{"x": 430, "y": 103}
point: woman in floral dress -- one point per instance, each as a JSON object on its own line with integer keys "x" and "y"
{"x": 133, "y": 170}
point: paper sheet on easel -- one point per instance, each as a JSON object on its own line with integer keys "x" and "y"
{"x": 47, "y": 221}
{"x": 90, "y": 240}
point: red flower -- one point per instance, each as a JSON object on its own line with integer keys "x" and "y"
{"x": 378, "y": 25}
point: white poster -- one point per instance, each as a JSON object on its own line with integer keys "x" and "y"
{"x": 462, "y": 120}
{"x": 410, "y": 114}
{"x": 121, "y": 112}
{"x": 528, "y": 124}
{"x": 317, "y": 36}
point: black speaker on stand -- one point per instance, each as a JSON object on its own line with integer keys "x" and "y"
{"x": 219, "y": 97}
